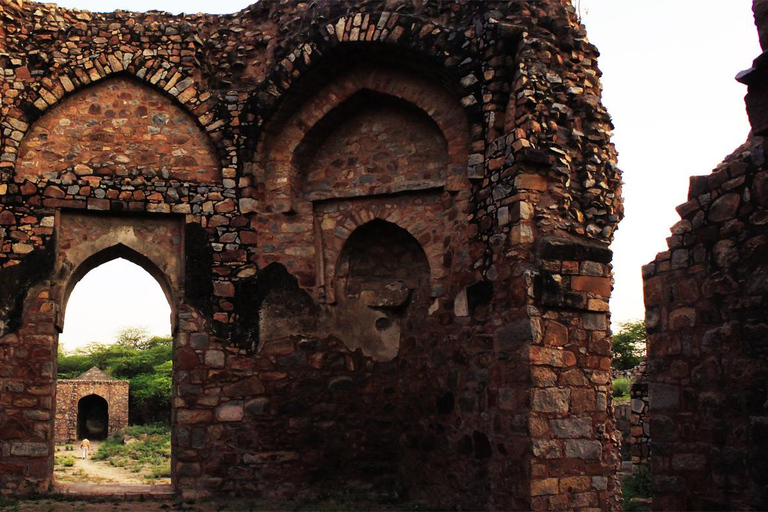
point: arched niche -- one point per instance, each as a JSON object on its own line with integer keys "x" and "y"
{"x": 371, "y": 143}
{"x": 382, "y": 286}
{"x": 92, "y": 417}
{"x": 384, "y": 265}
{"x": 292, "y": 141}
{"x": 118, "y": 126}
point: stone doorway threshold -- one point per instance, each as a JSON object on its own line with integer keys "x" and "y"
{"x": 109, "y": 492}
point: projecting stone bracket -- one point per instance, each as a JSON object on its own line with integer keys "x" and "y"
{"x": 551, "y": 248}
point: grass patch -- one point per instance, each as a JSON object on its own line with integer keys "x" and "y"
{"x": 621, "y": 387}
{"x": 636, "y": 489}
{"x": 65, "y": 460}
{"x": 142, "y": 449}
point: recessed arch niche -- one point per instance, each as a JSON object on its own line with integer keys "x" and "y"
{"x": 383, "y": 283}
{"x": 92, "y": 417}
{"x": 318, "y": 141}
{"x": 118, "y": 126}
{"x": 371, "y": 143}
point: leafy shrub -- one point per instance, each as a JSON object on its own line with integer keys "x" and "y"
{"x": 160, "y": 471}
{"x": 67, "y": 461}
{"x": 150, "y": 448}
{"x": 621, "y": 388}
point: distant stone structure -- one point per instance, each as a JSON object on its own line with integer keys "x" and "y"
{"x": 92, "y": 405}
{"x": 383, "y": 228}
{"x": 707, "y": 320}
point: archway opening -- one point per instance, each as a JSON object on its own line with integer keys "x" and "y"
{"x": 115, "y": 373}
{"x": 92, "y": 418}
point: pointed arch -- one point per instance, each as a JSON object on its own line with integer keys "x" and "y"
{"x": 281, "y": 142}
{"x": 424, "y": 223}
{"x": 93, "y": 417}
{"x": 112, "y": 253}
{"x": 87, "y": 240}
{"x": 170, "y": 81}
{"x": 442, "y": 47}
{"x": 155, "y": 72}
{"x": 118, "y": 126}
{"x": 382, "y": 249}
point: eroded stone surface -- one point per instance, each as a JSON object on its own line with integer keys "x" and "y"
{"x": 313, "y": 276}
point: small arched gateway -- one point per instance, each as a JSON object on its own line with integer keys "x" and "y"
{"x": 92, "y": 405}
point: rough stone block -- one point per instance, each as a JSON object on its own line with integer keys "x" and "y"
{"x": 551, "y": 400}
{"x": 583, "y": 449}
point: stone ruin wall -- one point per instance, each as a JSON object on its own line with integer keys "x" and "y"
{"x": 68, "y": 395}
{"x": 474, "y": 370}
{"x": 706, "y": 315}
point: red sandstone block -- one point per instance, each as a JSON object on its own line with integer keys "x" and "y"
{"x": 7, "y": 218}
{"x": 54, "y": 191}
{"x": 248, "y": 237}
{"x": 555, "y": 334}
{"x": 98, "y": 204}
{"x": 223, "y": 289}
{"x": 530, "y": 182}
{"x": 193, "y": 416}
{"x": 547, "y": 356}
{"x": 575, "y": 484}
{"x": 598, "y": 285}
{"x": 544, "y": 486}
{"x": 653, "y": 290}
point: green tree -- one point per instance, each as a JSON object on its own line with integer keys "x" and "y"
{"x": 145, "y": 361}
{"x": 629, "y": 345}
{"x": 133, "y": 337}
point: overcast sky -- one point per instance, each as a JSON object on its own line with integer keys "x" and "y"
{"x": 669, "y": 68}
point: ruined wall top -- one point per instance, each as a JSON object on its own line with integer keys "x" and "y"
{"x": 233, "y": 72}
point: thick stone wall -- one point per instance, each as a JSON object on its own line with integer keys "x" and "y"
{"x": 705, "y": 314}
{"x": 706, "y": 311}
{"x": 461, "y": 143}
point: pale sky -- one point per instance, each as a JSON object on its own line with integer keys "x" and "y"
{"x": 110, "y": 297}
{"x": 668, "y": 82}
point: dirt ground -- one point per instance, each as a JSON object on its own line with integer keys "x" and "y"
{"x": 97, "y": 471}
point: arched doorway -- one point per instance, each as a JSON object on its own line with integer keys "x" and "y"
{"x": 92, "y": 417}
{"x": 107, "y": 297}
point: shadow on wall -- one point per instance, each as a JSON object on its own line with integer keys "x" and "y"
{"x": 382, "y": 290}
